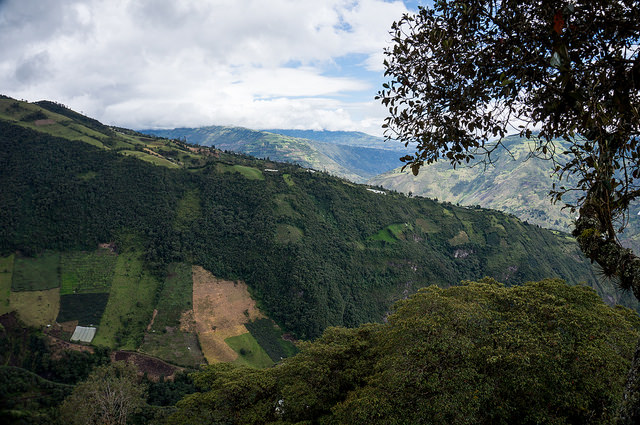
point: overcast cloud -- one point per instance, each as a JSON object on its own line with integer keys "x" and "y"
{"x": 307, "y": 64}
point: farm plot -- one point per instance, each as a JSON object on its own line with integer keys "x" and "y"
{"x": 6, "y": 272}
{"x": 171, "y": 335}
{"x": 87, "y": 309}
{"x": 36, "y": 308}
{"x": 36, "y": 273}
{"x": 221, "y": 308}
{"x": 250, "y": 353}
{"x": 130, "y": 304}
{"x": 87, "y": 272}
{"x": 269, "y": 336}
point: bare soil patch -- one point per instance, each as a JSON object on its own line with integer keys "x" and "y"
{"x": 153, "y": 317}
{"x": 221, "y": 308}
{"x": 153, "y": 367}
{"x": 59, "y": 346}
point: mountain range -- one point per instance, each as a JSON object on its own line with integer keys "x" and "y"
{"x": 351, "y": 155}
{"x": 514, "y": 182}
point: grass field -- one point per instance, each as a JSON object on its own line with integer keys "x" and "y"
{"x": 188, "y": 210}
{"x": 6, "y": 272}
{"x": 427, "y": 226}
{"x": 166, "y": 338}
{"x": 221, "y": 308}
{"x": 174, "y": 346}
{"x": 176, "y": 297}
{"x": 249, "y": 172}
{"x": 130, "y": 305}
{"x": 269, "y": 336}
{"x": 37, "y": 273}
{"x": 460, "y": 239}
{"x": 287, "y": 179}
{"x": 87, "y": 272}
{"x": 249, "y": 351}
{"x": 36, "y": 308}
{"x": 150, "y": 158}
{"x": 285, "y": 233}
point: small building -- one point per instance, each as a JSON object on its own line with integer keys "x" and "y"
{"x": 381, "y": 192}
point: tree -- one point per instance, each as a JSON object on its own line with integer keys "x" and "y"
{"x": 564, "y": 73}
{"x": 479, "y": 353}
{"x": 108, "y": 397}
{"x": 465, "y": 73}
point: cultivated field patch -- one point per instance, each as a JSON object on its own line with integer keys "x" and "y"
{"x": 249, "y": 351}
{"x": 171, "y": 334}
{"x": 87, "y": 272}
{"x": 36, "y": 308}
{"x": 87, "y": 309}
{"x": 250, "y": 173}
{"x": 221, "y": 308}
{"x": 269, "y": 336}
{"x": 6, "y": 272}
{"x": 174, "y": 346}
{"x": 36, "y": 273}
{"x": 155, "y": 369}
{"x": 130, "y": 304}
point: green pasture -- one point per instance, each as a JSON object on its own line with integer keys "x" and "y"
{"x": 288, "y": 180}
{"x": 176, "y": 297}
{"x": 36, "y": 273}
{"x": 249, "y": 351}
{"x": 427, "y": 226}
{"x": 87, "y": 176}
{"x": 174, "y": 346}
{"x": 188, "y": 210}
{"x": 36, "y": 308}
{"x": 250, "y": 173}
{"x": 392, "y": 232}
{"x": 130, "y": 304}
{"x": 6, "y": 272}
{"x": 87, "y": 272}
{"x": 285, "y": 233}
{"x": 269, "y": 336}
{"x": 150, "y": 158}
{"x": 459, "y": 239}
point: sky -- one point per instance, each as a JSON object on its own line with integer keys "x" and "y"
{"x": 301, "y": 64}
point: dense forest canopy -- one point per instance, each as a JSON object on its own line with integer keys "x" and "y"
{"x": 480, "y": 353}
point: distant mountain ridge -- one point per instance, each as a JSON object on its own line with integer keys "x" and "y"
{"x": 351, "y": 155}
{"x": 349, "y": 138}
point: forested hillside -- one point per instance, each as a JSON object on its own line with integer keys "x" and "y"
{"x": 475, "y": 354}
{"x": 514, "y": 183}
{"x": 315, "y": 250}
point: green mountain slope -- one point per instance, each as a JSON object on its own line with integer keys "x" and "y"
{"x": 514, "y": 184}
{"x": 347, "y": 138}
{"x": 353, "y": 162}
{"x": 315, "y": 250}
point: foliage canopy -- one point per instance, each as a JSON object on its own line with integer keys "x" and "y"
{"x": 109, "y": 396}
{"x": 463, "y": 73}
{"x": 477, "y": 353}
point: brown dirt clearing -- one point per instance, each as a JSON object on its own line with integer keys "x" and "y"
{"x": 221, "y": 308}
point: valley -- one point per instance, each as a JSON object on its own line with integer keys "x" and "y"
{"x": 188, "y": 255}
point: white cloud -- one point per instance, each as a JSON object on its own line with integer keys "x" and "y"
{"x": 142, "y": 63}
